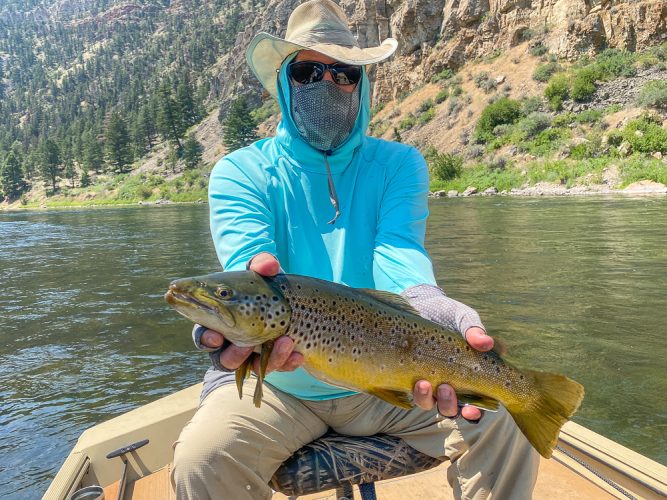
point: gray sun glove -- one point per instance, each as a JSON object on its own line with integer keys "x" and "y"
{"x": 217, "y": 375}
{"x": 432, "y": 303}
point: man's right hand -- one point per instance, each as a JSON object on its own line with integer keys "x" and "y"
{"x": 282, "y": 357}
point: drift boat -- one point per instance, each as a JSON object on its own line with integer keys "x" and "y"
{"x": 584, "y": 465}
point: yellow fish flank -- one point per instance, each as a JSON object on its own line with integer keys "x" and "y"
{"x": 372, "y": 342}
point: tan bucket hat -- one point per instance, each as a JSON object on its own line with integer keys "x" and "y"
{"x": 319, "y": 25}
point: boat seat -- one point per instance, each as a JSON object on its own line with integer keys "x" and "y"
{"x": 339, "y": 462}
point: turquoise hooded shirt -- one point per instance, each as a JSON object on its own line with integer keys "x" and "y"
{"x": 272, "y": 197}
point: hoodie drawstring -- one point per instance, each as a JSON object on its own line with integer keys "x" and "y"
{"x": 333, "y": 196}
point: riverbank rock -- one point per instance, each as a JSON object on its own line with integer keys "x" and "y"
{"x": 470, "y": 190}
{"x": 439, "y": 194}
{"x": 452, "y": 194}
{"x": 646, "y": 187}
{"x": 490, "y": 191}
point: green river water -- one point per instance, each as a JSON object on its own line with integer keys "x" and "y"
{"x": 575, "y": 285}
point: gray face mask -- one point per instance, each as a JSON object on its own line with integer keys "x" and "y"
{"x": 324, "y": 113}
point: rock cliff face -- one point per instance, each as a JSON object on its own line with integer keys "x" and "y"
{"x": 436, "y": 34}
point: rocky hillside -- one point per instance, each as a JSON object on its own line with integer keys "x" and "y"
{"x": 438, "y": 34}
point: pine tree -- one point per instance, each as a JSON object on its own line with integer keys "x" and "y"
{"x": 240, "y": 128}
{"x": 85, "y": 178}
{"x": 192, "y": 151}
{"x": 92, "y": 153}
{"x": 117, "y": 140}
{"x": 187, "y": 110}
{"x": 169, "y": 123}
{"x": 11, "y": 177}
{"x": 49, "y": 163}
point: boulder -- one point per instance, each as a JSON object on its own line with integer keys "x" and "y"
{"x": 470, "y": 190}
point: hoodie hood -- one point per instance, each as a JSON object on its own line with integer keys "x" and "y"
{"x": 303, "y": 154}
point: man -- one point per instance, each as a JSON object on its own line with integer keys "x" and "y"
{"x": 323, "y": 199}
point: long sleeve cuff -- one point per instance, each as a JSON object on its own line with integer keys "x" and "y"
{"x": 432, "y": 303}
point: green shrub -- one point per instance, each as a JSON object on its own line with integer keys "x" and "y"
{"x": 443, "y": 166}
{"x": 564, "y": 119}
{"x": 531, "y": 104}
{"x": 646, "y": 136}
{"x": 442, "y": 96}
{"x": 588, "y": 116}
{"x": 583, "y": 151}
{"x": 583, "y": 84}
{"x": 544, "y": 71}
{"x": 408, "y": 122}
{"x": 377, "y": 108}
{"x": 654, "y": 95}
{"x": 266, "y": 110}
{"x": 547, "y": 141}
{"x": 537, "y": 50}
{"x": 425, "y": 106}
{"x": 144, "y": 192}
{"x": 426, "y": 116}
{"x": 557, "y": 91}
{"x": 484, "y": 81}
{"x": 445, "y": 74}
{"x": 613, "y": 63}
{"x": 504, "y": 110}
{"x": 638, "y": 168}
{"x": 534, "y": 123}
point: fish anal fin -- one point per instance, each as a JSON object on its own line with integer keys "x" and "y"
{"x": 390, "y": 299}
{"x": 482, "y": 402}
{"x": 396, "y": 397}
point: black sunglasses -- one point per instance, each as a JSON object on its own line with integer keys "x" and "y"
{"x": 305, "y": 72}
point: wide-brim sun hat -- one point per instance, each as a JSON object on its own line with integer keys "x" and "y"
{"x": 319, "y": 25}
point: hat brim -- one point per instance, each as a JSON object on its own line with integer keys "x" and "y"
{"x": 266, "y": 53}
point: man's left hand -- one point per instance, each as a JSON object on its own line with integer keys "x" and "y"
{"x": 445, "y": 397}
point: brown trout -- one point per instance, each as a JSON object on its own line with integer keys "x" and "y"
{"x": 373, "y": 342}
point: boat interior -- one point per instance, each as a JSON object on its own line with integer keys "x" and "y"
{"x": 585, "y": 465}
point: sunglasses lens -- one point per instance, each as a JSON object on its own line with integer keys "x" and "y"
{"x": 346, "y": 75}
{"x": 306, "y": 72}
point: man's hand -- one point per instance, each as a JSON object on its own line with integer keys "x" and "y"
{"x": 282, "y": 357}
{"x": 445, "y": 397}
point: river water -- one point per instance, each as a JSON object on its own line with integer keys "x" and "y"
{"x": 574, "y": 285}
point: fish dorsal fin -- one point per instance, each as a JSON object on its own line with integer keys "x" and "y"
{"x": 397, "y": 397}
{"x": 390, "y": 299}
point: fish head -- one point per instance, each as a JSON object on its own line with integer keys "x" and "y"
{"x": 246, "y": 308}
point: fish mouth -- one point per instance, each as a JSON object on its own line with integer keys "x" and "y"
{"x": 176, "y": 298}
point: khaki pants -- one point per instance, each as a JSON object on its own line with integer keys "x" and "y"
{"x": 230, "y": 449}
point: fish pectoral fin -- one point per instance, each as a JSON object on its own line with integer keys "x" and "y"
{"x": 397, "y": 397}
{"x": 242, "y": 373}
{"x": 481, "y": 402}
{"x": 267, "y": 347}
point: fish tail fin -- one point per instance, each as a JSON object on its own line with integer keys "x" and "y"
{"x": 558, "y": 398}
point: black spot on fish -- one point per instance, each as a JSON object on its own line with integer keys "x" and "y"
{"x": 451, "y": 359}
{"x": 508, "y": 383}
{"x": 458, "y": 350}
{"x": 449, "y": 339}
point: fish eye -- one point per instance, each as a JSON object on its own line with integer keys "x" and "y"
{"x": 223, "y": 293}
